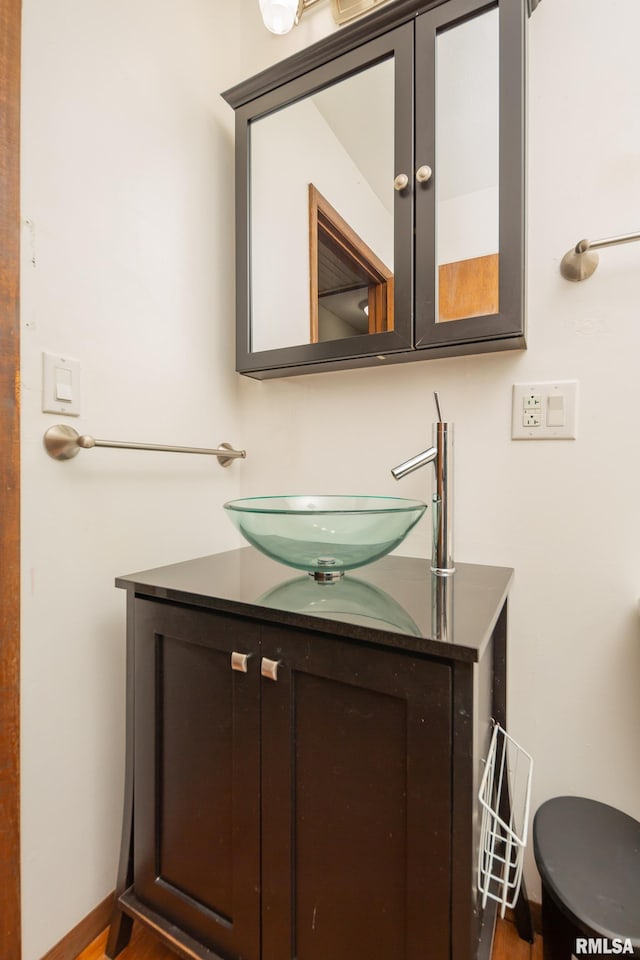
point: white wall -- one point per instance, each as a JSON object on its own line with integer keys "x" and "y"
{"x": 127, "y": 153}
{"x": 127, "y": 174}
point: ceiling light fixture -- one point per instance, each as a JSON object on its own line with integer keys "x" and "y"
{"x": 279, "y": 16}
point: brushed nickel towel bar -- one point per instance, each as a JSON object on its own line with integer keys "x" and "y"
{"x": 580, "y": 263}
{"x": 63, "y": 443}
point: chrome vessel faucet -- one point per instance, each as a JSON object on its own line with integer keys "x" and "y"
{"x": 441, "y": 455}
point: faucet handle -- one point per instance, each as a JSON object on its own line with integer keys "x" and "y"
{"x": 414, "y": 462}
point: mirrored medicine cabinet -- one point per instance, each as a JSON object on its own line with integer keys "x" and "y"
{"x": 380, "y": 192}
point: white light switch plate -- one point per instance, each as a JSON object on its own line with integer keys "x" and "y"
{"x": 553, "y": 418}
{"x": 60, "y": 385}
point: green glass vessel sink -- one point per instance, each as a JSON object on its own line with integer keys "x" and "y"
{"x": 325, "y": 535}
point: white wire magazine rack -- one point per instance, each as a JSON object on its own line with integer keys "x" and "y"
{"x": 505, "y": 798}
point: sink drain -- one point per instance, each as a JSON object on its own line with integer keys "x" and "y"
{"x": 326, "y": 575}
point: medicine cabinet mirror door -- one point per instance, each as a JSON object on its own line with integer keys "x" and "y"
{"x": 469, "y": 213}
{"x": 325, "y": 239}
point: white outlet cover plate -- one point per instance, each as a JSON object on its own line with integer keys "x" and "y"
{"x": 565, "y": 388}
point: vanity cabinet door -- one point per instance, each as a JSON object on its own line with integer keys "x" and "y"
{"x": 324, "y": 241}
{"x": 356, "y": 801}
{"x": 197, "y": 775}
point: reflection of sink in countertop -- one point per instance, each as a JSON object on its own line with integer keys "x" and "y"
{"x": 325, "y": 535}
{"x": 350, "y": 600}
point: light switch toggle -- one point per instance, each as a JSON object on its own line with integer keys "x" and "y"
{"x": 64, "y": 384}
{"x": 555, "y": 410}
{"x": 60, "y": 385}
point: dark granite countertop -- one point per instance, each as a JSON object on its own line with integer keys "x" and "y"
{"x": 395, "y": 602}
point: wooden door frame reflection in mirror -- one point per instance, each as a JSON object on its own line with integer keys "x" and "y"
{"x": 468, "y": 288}
{"x": 325, "y": 219}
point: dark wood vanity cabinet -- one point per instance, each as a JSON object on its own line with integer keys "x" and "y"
{"x": 422, "y": 95}
{"x": 326, "y": 788}
{"x": 300, "y": 788}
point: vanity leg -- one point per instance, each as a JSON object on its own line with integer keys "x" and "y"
{"x": 522, "y": 911}
{"x": 119, "y": 933}
{"x": 523, "y": 918}
{"x": 121, "y": 924}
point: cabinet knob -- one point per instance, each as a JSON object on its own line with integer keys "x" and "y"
{"x": 401, "y": 182}
{"x": 424, "y": 173}
{"x": 239, "y": 661}
{"x": 269, "y": 668}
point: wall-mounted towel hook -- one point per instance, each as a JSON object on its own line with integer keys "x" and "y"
{"x": 580, "y": 263}
{"x": 63, "y": 443}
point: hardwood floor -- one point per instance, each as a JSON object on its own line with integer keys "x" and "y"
{"x": 507, "y": 945}
{"x": 144, "y": 946}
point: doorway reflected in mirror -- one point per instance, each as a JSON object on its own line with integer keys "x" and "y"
{"x": 351, "y": 289}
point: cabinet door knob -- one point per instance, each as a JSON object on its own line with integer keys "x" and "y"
{"x": 401, "y": 182}
{"x": 424, "y": 173}
{"x": 269, "y": 668}
{"x": 239, "y": 661}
